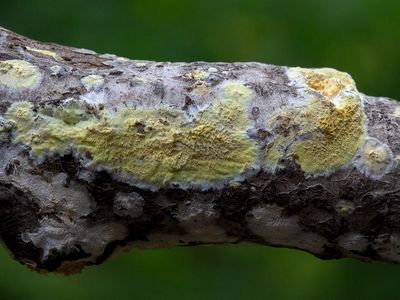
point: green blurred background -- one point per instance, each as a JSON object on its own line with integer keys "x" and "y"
{"x": 361, "y": 37}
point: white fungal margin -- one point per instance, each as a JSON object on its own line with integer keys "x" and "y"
{"x": 375, "y": 159}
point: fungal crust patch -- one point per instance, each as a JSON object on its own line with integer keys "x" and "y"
{"x": 153, "y": 146}
{"x": 324, "y": 131}
{"x": 18, "y": 74}
{"x": 45, "y": 52}
{"x": 375, "y": 159}
{"x": 92, "y": 82}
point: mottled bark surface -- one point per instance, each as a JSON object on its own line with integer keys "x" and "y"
{"x": 100, "y": 153}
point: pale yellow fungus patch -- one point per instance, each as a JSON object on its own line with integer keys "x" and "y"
{"x": 18, "y": 74}
{"x": 45, "y": 52}
{"x": 375, "y": 159}
{"x": 326, "y": 131}
{"x": 122, "y": 59}
{"x": 92, "y": 82}
{"x": 234, "y": 184}
{"x": 328, "y": 82}
{"x": 153, "y": 146}
{"x": 236, "y": 92}
{"x": 397, "y": 112}
{"x": 273, "y": 153}
{"x": 344, "y": 207}
{"x": 195, "y": 74}
{"x": 141, "y": 80}
{"x": 373, "y": 155}
{"x": 198, "y": 74}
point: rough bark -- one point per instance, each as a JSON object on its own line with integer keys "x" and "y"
{"x": 100, "y": 153}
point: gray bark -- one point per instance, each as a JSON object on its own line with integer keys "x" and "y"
{"x": 100, "y": 153}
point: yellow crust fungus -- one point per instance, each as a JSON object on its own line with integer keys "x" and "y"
{"x": 154, "y": 146}
{"x": 195, "y": 74}
{"x": 18, "y": 74}
{"x": 45, "y": 52}
{"x": 327, "y": 130}
{"x": 328, "y": 82}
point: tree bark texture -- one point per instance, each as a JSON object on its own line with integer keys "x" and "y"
{"x": 100, "y": 153}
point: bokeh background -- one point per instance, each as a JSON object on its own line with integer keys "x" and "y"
{"x": 361, "y": 37}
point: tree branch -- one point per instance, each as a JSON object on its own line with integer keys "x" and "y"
{"x": 99, "y": 153}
